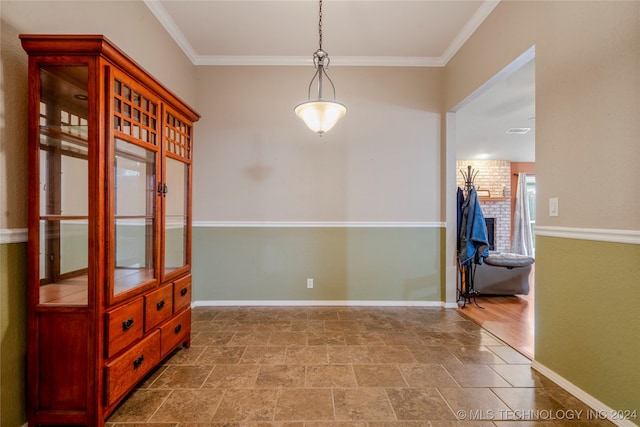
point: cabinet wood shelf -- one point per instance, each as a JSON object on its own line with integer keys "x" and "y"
{"x": 51, "y": 217}
{"x": 62, "y": 133}
{"x": 66, "y": 292}
{"x": 108, "y": 286}
{"x": 133, "y": 217}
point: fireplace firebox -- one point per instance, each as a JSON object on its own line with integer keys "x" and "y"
{"x": 491, "y": 232}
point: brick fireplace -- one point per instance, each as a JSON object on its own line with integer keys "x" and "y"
{"x": 494, "y": 176}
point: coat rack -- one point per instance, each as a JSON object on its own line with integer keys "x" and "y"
{"x": 469, "y": 210}
{"x": 469, "y": 178}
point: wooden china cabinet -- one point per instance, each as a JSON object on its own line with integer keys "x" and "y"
{"x": 109, "y": 283}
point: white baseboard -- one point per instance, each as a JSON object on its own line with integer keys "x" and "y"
{"x": 592, "y": 402}
{"x": 310, "y": 303}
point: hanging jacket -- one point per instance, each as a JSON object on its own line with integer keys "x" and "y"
{"x": 473, "y": 240}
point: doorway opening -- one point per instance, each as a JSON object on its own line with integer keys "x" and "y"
{"x": 494, "y": 132}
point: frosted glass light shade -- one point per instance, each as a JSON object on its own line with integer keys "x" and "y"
{"x": 320, "y": 115}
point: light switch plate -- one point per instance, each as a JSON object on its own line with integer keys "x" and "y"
{"x": 553, "y": 206}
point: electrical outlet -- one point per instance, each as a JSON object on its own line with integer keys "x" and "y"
{"x": 309, "y": 283}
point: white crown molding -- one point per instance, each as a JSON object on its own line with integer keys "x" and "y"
{"x": 253, "y": 60}
{"x": 598, "y": 234}
{"x": 387, "y": 61}
{"x": 470, "y": 27}
{"x": 312, "y": 303}
{"x": 336, "y": 61}
{"x": 600, "y": 410}
{"x": 319, "y": 224}
{"x": 178, "y": 36}
{"x": 170, "y": 26}
{"x": 13, "y": 235}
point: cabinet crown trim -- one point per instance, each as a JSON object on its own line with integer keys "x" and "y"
{"x": 99, "y": 45}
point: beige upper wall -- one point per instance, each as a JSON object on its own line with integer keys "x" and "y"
{"x": 381, "y": 162}
{"x": 13, "y": 130}
{"x": 128, "y": 24}
{"x": 256, "y": 161}
{"x": 587, "y": 101}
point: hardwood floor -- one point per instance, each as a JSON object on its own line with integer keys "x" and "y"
{"x": 510, "y": 318}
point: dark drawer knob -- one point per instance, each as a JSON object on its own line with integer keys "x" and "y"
{"x": 183, "y": 292}
{"x": 160, "y": 305}
{"x": 127, "y": 324}
{"x": 138, "y": 362}
{"x": 177, "y": 329}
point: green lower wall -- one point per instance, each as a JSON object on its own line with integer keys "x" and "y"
{"x": 13, "y": 335}
{"x": 588, "y": 317}
{"x": 346, "y": 263}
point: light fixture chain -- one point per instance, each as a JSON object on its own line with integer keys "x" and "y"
{"x": 320, "y": 25}
{"x": 320, "y": 115}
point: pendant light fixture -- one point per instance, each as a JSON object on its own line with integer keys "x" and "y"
{"x": 320, "y": 114}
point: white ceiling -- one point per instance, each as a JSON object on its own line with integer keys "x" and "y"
{"x": 481, "y": 125}
{"x": 355, "y": 32}
{"x": 359, "y": 33}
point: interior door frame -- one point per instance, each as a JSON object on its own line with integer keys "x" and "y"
{"x": 450, "y": 171}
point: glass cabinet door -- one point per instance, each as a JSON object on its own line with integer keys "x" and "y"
{"x": 135, "y": 191}
{"x": 134, "y": 199}
{"x": 175, "y": 220}
{"x": 177, "y": 140}
{"x": 63, "y": 175}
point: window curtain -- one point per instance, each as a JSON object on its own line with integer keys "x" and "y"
{"x": 521, "y": 241}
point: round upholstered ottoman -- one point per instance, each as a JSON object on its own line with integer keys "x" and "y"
{"x": 509, "y": 260}
{"x": 503, "y": 274}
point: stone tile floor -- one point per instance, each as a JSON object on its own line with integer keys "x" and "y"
{"x": 345, "y": 366}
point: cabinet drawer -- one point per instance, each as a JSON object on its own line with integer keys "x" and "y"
{"x": 125, "y": 371}
{"x": 175, "y": 332}
{"x": 124, "y": 326}
{"x": 158, "y": 306}
{"x": 181, "y": 293}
